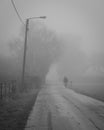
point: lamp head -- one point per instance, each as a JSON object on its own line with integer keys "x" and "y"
{"x": 43, "y": 17}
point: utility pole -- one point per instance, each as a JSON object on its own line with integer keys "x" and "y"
{"x": 25, "y": 49}
{"x": 24, "y": 54}
{"x": 25, "y": 43}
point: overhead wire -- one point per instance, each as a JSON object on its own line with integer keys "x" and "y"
{"x": 17, "y": 12}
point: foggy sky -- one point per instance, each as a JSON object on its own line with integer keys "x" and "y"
{"x": 78, "y": 18}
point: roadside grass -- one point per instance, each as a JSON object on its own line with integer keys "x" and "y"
{"x": 14, "y": 111}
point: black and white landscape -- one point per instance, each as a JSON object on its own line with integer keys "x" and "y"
{"x": 52, "y": 65}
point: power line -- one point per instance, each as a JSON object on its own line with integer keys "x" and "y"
{"x": 17, "y": 12}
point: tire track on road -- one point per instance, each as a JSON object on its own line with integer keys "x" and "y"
{"x": 92, "y": 122}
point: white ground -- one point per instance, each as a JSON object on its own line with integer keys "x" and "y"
{"x": 59, "y": 108}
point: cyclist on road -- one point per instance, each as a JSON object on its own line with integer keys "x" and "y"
{"x": 65, "y": 80}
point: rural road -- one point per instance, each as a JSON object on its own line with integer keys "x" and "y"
{"x": 59, "y": 108}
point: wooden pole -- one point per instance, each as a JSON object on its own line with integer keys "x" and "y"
{"x": 1, "y": 90}
{"x": 24, "y": 56}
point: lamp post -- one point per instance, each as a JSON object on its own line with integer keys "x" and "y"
{"x": 25, "y": 48}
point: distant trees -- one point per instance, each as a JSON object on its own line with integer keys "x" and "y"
{"x": 43, "y": 48}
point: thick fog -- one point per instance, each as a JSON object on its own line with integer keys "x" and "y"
{"x": 86, "y": 73}
{"x": 51, "y": 56}
{"x": 69, "y": 42}
{"x": 43, "y": 49}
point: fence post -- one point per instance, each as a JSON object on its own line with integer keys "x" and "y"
{"x": 1, "y": 91}
{"x": 4, "y": 84}
{"x": 9, "y": 89}
{"x": 13, "y": 86}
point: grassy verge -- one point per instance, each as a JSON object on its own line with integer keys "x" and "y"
{"x": 14, "y": 112}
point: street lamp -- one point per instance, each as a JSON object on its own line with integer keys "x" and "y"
{"x": 25, "y": 48}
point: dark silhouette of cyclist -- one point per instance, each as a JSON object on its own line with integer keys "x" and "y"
{"x": 65, "y": 80}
